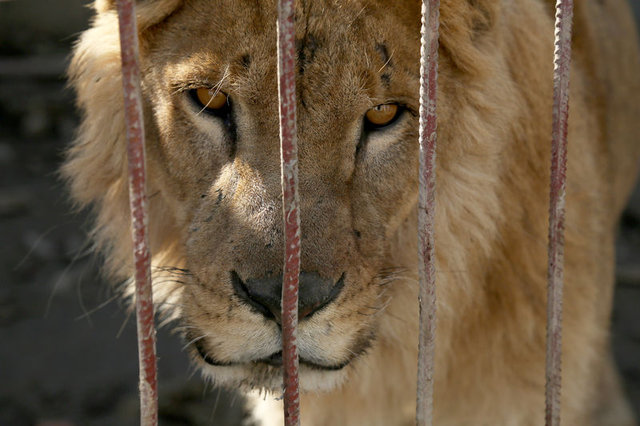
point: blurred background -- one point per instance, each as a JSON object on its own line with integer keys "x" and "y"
{"x": 68, "y": 352}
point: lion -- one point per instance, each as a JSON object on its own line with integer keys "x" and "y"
{"x": 209, "y": 84}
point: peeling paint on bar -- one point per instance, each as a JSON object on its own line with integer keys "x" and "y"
{"x": 291, "y": 208}
{"x": 562, "y": 64}
{"x": 138, "y": 205}
{"x": 426, "y": 210}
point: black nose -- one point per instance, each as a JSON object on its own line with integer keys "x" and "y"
{"x": 265, "y": 294}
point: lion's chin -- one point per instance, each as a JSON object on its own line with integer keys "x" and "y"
{"x": 316, "y": 373}
{"x": 265, "y": 376}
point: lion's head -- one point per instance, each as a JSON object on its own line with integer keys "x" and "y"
{"x": 209, "y": 78}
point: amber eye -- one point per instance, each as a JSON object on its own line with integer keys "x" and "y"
{"x": 382, "y": 115}
{"x": 209, "y": 99}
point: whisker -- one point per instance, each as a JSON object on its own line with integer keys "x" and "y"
{"x": 170, "y": 281}
{"x": 215, "y": 406}
{"x": 192, "y": 341}
{"x": 387, "y": 62}
{"x": 172, "y": 269}
{"x": 97, "y": 308}
{"x": 124, "y": 323}
{"x": 217, "y": 88}
{"x": 81, "y": 299}
{"x": 38, "y": 240}
{"x": 64, "y": 273}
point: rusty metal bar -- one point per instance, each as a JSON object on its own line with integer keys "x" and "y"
{"x": 562, "y": 64}
{"x": 138, "y": 204}
{"x": 291, "y": 208}
{"x": 426, "y": 210}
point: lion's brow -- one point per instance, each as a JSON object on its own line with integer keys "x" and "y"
{"x": 387, "y": 64}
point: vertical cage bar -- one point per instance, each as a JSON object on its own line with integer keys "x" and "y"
{"x": 562, "y": 63}
{"x": 291, "y": 208}
{"x": 138, "y": 204}
{"x": 426, "y": 210}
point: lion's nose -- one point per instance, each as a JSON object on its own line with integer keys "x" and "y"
{"x": 265, "y": 294}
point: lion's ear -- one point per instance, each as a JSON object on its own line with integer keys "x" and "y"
{"x": 483, "y": 15}
{"x": 476, "y": 17}
{"x": 466, "y": 28}
{"x": 148, "y": 12}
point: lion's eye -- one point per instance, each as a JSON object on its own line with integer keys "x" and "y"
{"x": 210, "y": 100}
{"x": 219, "y": 108}
{"x": 382, "y": 115}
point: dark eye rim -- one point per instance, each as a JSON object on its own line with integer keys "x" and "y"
{"x": 219, "y": 112}
{"x": 371, "y": 127}
{"x": 224, "y": 114}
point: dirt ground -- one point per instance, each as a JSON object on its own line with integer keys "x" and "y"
{"x": 68, "y": 352}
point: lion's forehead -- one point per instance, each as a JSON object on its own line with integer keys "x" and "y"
{"x": 235, "y": 43}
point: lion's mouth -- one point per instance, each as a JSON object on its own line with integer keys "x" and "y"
{"x": 274, "y": 360}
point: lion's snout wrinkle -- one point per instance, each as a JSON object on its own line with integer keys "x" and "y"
{"x": 265, "y": 294}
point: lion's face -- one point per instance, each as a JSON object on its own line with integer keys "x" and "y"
{"x": 210, "y": 79}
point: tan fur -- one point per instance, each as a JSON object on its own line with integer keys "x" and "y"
{"x": 215, "y": 203}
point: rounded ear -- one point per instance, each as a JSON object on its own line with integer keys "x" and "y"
{"x": 466, "y": 29}
{"x": 148, "y": 12}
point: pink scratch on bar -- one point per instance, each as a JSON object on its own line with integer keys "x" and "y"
{"x": 138, "y": 204}
{"x": 426, "y": 210}
{"x": 291, "y": 208}
{"x": 562, "y": 64}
